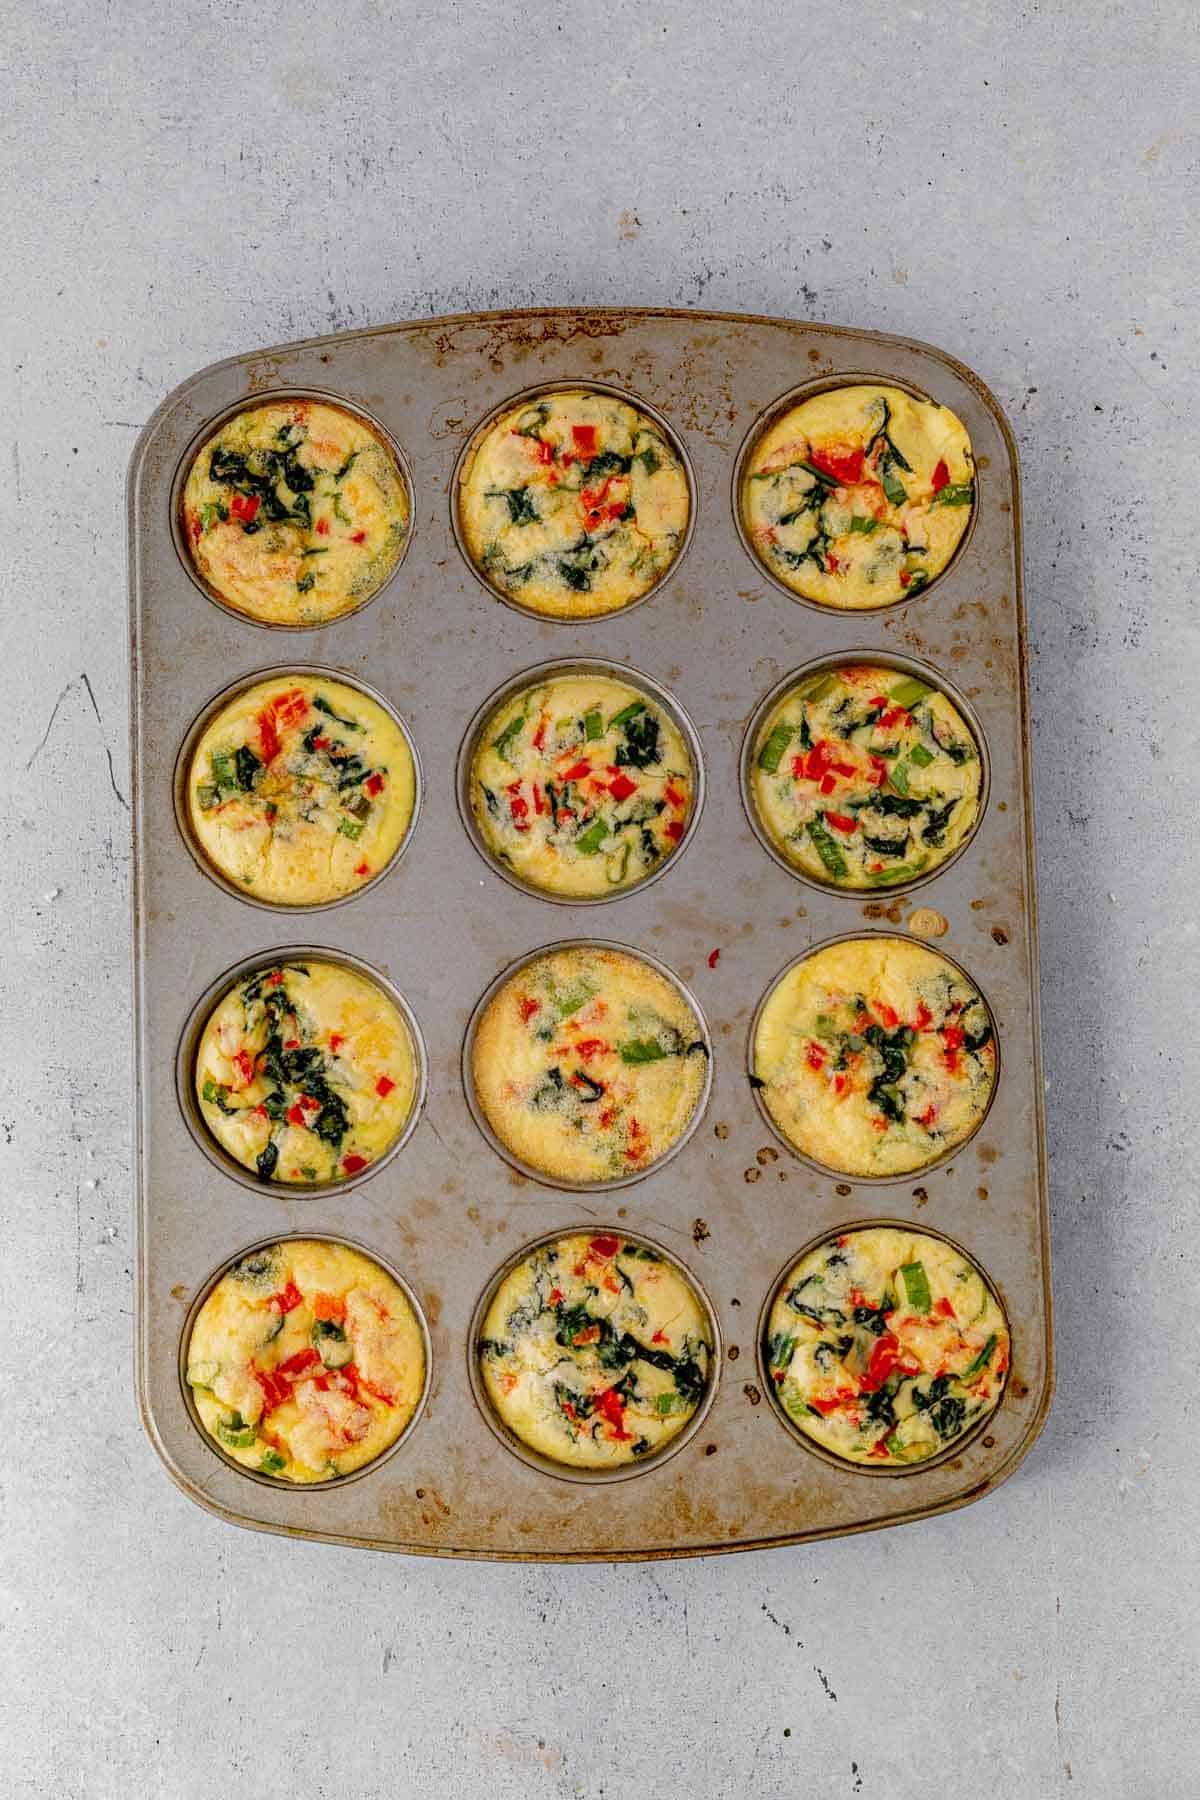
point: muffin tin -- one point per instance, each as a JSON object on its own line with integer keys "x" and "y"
{"x": 447, "y": 1213}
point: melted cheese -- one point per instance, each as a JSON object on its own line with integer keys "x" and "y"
{"x": 306, "y": 1073}
{"x": 595, "y": 1351}
{"x": 885, "y": 1345}
{"x": 301, "y": 789}
{"x": 581, "y": 786}
{"x": 875, "y": 1056}
{"x": 859, "y": 496}
{"x": 864, "y": 778}
{"x": 295, "y": 512}
{"x": 306, "y": 1361}
{"x": 573, "y": 504}
{"x": 588, "y": 1064}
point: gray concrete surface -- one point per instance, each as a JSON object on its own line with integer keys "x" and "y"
{"x": 1016, "y": 183}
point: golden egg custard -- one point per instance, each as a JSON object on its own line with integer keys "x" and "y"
{"x": 863, "y": 778}
{"x": 859, "y": 496}
{"x": 875, "y": 1056}
{"x": 306, "y": 1072}
{"x": 885, "y": 1345}
{"x": 596, "y": 1351}
{"x": 306, "y": 1360}
{"x": 301, "y": 789}
{"x": 573, "y": 504}
{"x": 582, "y": 785}
{"x": 588, "y": 1064}
{"x": 295, "y": 512}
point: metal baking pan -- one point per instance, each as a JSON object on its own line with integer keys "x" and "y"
{"x": 447, "y": 1212}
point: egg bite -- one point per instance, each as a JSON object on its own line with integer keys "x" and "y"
{"x": 859, "y": 496}
{"x": 581, "y": 785}
{"x": 573, "y": 503}
{"x": 595, "y": 1351}
{"x": 862, "y": 777}
{"x": 300, "y": 789}
{"x": 885, "y": 1345}
{"x": 306, "y": 1072}
{"x": 588, "y": 1064}
{"x": 306, "y": 1360}
{"x": 874, "y": 1056}
{"x": 295, "y": 512}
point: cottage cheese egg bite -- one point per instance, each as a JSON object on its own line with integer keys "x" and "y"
{"x": 573, "y": 503}
{"x": 885, "y": 1345}
{"x": 874, "y": 1056}
{"x": 864, "y": 778}
{"x": 300, "y": 789}
{"x": 588, "y": 1064}
{"x": 595, "y": 1351}
{"x": 859, "y": 496}
{"x": 581, "y": 785}
{"x": 306, "y": 1360}
{"x": 295, "y": 512}
{"x": 306, "y": 1072}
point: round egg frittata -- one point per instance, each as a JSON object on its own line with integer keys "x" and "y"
{"x": 306, "y": 1072}
{"x": 581, "y": 785}
{"x": 596, "y": 1351}
{"x": 884, "y": 1345}
{"x": 295, "y": 512}
{"x": 865, "y": 778}
{"x": 301, "y": 789}
{"x": 573, "y": 503}
{"x": 859, "y": 496}
{"x": 588, "y": 1064}
{"x": 306, "y": 1360}
{"x": 874, "y": 1056}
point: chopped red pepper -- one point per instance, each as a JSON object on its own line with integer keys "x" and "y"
{"x": 244, "y": 507}
{"x": 941, "y": 475}
{"x": 672, "y": 793}
{"x": 555, "y": 1296}
{"x": 945, "y": 1307}
{"x": 815, "y": 1056}
{"x": 374, "y": 784}
{"x": 539, "y": 805}
{"x": 290, "y": 707}
{"x": 825, "y": 1404}
{"x": 886, "y": 1355}
{"x": 828, "y": 783}
{"x": 358, "y": 537}
{"x": 590, "y": 1047}
{"x": 267, "y": 735}
{"x": 352, "y": 1164}
{"x": 611, "y": 1408}
{"x": 329, "y": 1306}
{"x": 879, "y": 771}
{"x": 841, "y": 462}
{"x": 888, "y": 1014}
{"x": 605, "y": 1246}
{"x": 578, "y": 770}
{"x": 841, "y": 821}
{"x": 528, "y": 1007}
{"x": 287, "y": 1300}
{"x": 543, "y": 451}
{"x": 840, "y": 1084}
{"x": 245, "y": 1068}
{"x": 953, "y": 1034}
{"x": 675, "y": 830}
{"x": 927, "y": 1117}
{"x": 879, "y": 1447}
{"x": 295, "y": 1115}
{"x": 539, "y": 736}
{"x": 584, "y": 439}
{"x": 905, "y": 578}
{"x": 322, "y": 527}
{"x": 923, "y": 1019}
{"x": 336, "y": 1040}
{"x": 362, "y": 868}
{"x": 622, "y": 787}
{"x": 384, "y": 1086}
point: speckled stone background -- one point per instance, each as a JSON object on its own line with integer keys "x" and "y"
{"x": 1015, "y": 183}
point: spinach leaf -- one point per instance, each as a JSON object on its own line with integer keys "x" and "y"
{"x": 247, "y": 766}
{"x": 641, "y": 745}
{"x": 934, "y": 830}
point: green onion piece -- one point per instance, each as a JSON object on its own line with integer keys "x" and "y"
{"x": 893, "y": 487}
{"x": 921, "y": 756}
{"x": 815, "y": 687}
{"x": 982, "y": 1360}
{"x": 959, "y": 493}
{"x": 888, "y": 877}
{"x": 665, "y": 1403}
{"x": 626, "y": 713}
{"x": 351, "y": 828}
{"x": 907, "y": 693}
{"x": 592, "y": 838}
{"x": 827, "y": 850}
{"x": 899, "y": 777}
{"x": 825, "y": 1028}
{"x": 863, "y": 525}
{"x": 593, "y": 727}
{"x": 272, "y": 1463}
{"x": 236, "y": 1433}
{"x": 771, "y": 754}
{"x": 642, "y": 1050}
{"x": 916, "y": 1286}
{"x": 570, "y": 1002}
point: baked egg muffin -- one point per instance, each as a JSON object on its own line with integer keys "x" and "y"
{"x": 588, "y": 1064}
{"x": 581, "y": 785}
{"x": 295, "y": 512}
{"x": 863, "y": 778}
{"x": 595, "y": 1351}
{"x": 884, "y": 1345}
{"x": 874, "y": 1056}
{"x": 859, "y": 496}
{"x": 573, "y": 504}
{"x": 306, "y": 1360}
{"x": 300, "y": 789}
{"x": 306, "y": 1072}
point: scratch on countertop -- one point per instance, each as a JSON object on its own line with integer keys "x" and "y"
{"x": 80, "y": 679}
